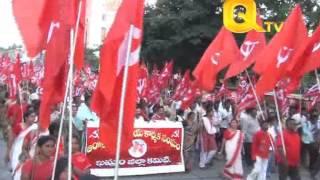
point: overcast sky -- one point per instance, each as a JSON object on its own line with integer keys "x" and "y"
{"x": 9, "y": 33}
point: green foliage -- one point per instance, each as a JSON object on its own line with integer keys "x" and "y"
{"x": 91, "y": 58}
{"x": 182, "y": 29}
{"x": 179, "y": 30}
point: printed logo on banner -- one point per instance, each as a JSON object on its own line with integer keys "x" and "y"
{"x": 138, "y": 148}
{"x": 239, "y": 16}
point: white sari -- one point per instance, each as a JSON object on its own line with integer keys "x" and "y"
{"x": 17, "y": 149}
{"x": 233, "y": 167}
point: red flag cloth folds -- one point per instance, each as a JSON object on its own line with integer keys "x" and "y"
{"x": 80, "y": 46}
{"x": 254, "y": 43}
{"x": 17, "y": 70}
{"x": 309, "y": 60}
{"x": 284, "y": 44}
{"x": 27, "y": 15}
{"x": 221, "y": 52}
{"x": 280, "y": 51}
{"x": 58, "y": 18}
{"x": 106, "y": 97}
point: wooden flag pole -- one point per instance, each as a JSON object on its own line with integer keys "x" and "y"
{"x": 255, "y": 95}
{"x": 279, "y": 121}
{"x": 122, "y": 101}
{"x": 60, "y": 126}
{"x": 73, "y": 37}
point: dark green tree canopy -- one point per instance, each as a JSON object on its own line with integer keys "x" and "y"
{"x": 181, "y": 30}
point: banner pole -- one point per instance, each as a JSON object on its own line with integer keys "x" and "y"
{"x": 255, "y": 95}
{"x": 122, "y": 101}
{"x": 60, "y": 127}
{"x": 279, "y": 121}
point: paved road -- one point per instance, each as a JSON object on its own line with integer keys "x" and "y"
{"x": 4, "y": 173}
{"x": 213, "y": 173}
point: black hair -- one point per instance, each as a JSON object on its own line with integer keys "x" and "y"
{"x": 180, "y": 112}
{"x": 36, "y": 104}
{"x": 2, "y": 101}
{"x": 289, "y": 120}
{"x": 250, "y": 110}
{"x": 87, "y": 96}
{"x": 27, "y": 114}
{"x": 44, "y": 139}
{"x": 264, "y": 121}
{"x": 190, "y": 114}
{"x": 53, "y": 127}
{"x": 61, "y": 166}
{"x": 75, "y": 136}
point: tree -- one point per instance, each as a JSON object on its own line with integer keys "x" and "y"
{"x": 179, "y": 30}
{"x": 182, "y": 29}
{"x": 91, "y": 58}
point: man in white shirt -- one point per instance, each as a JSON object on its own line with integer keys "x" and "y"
{"x": 208, "y": 146}
{"x": 138, "y": 116}
{"x": 249, "y": 126}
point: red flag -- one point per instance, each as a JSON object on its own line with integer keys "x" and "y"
{"x": 189, "y": 96}
{"x": 57, "y": 19}
{"x": 309, "y": 60}
{"x": 80, "y": 46}
{"x": 248, "y": 101}
{"x": 106, "y": 98}
{"x": 280, "y": 51}
{"x": 17, "y": 70}
{"x": 285, "y": 43}
{"x": 143, "y": 80}
{"x": 222, "y": 51}
{"x": 165, "y": 75}
{"x": 34, "y": 20}
{"x": 28, "y": 15}
{"x": 254, "y": 43}
{"x": 183, "y": 86}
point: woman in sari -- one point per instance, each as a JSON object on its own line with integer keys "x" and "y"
{"x": 232, "y": 144}
{"x": 41, "y": 166}
{"x": 80, "y": 162}
{"x": 19, "y": 149}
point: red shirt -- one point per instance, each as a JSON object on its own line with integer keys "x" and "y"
{"x": 261, "y": 144}
{"x": 15, "y": 114}
{"x": 17, "y": 128}
{"x": 40, "y": 171}
{"x": 292, "y": 145}
{"x": 80, "y": 161}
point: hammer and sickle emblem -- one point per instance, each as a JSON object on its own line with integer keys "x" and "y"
{"x": 53, "y": 25}
{"x": 215, "y": 58}
{"x": 316, "y": 47}
{"x": 247, "y": 48}
{"x": 283, "y": 55}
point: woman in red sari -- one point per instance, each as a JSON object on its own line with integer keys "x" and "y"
{"x": 41, "y": 166}
{"x": 80, "y": 162}
{"x": 232, "y": 144}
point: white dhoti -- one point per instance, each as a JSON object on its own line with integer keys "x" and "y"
{"x": 259, "y": 171}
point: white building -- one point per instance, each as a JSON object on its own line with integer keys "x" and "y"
{"x": 100, "y": 15}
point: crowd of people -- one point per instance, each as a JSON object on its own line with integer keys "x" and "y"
{"x": 251, "y": 138}
{"x": 213, "y": 130}
{"x": 30, "y": 153}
